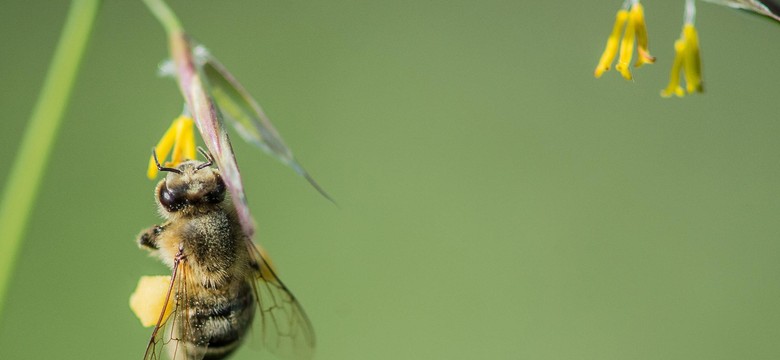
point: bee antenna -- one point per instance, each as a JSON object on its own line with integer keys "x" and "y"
{"x": 160, "y": 167}
{"x": 207, "y": 156}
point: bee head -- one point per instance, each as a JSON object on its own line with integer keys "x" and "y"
{"x": 191, "y": 186}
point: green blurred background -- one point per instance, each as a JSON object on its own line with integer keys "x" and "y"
{"x": 495, "y": 200}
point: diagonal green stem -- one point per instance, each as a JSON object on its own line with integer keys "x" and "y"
{"x": 165, "y": 15}
{"x": 27, "y": 171}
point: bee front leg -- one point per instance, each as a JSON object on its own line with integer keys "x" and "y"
{"x": 148, "y": 238}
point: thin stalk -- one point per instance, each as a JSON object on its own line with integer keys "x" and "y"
{"x": 165, "y": 15}
{"x": 203, "y": 108}
{"x": 27, "y": 170}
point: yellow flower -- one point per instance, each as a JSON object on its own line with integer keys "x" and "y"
{"x": 631, "y": 23}
{"x": 181, "y": 137}
{"x": 148, "y": 299}
{"x": 687, "y": 60}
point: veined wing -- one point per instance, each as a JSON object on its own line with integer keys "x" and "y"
{"x": 168, "y": 334}
{"x": 283, "y": 325}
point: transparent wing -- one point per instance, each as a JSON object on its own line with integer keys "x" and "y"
{"x": 168, "y": 333}
{"x": 245, "y": 114}
{"x": 283, "y": 325}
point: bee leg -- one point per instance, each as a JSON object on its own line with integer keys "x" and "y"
{"x": 148, "y": 238}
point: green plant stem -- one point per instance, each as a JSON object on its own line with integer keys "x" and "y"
{"x": 165, "y": 15}
{"x": 27, "y": 171}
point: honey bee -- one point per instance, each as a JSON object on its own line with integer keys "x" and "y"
{"x": 219, "y": 278}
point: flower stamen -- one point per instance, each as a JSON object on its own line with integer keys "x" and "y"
{"x": 630, "y": 23}
{"x": 638, "y": 17}
{"x": 627, "y": 50}
{"x": 687, "y": 60}
{"x": 181, "y": 137}
{"x": 692, "y": 63}
{"x": 612, "y": 43}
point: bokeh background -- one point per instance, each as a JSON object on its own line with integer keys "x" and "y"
{"x": 495, "y": 200}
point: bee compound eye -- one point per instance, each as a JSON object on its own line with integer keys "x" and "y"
{"x": 170, "y": 199}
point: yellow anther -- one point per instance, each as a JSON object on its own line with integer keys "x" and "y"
{"x": 687, "y": 61}
{"x": 638, "y": 18}
{"x": 692, "y": 60}
{"x": 627, "y": 50}
{"x": 612, "y": 43}
{"x": 148, "y": 299}
{"x": 674, "y": 79}
{"x": 181, "y": 137}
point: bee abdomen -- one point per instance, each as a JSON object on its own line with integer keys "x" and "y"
{"x": 221, "y": 327}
